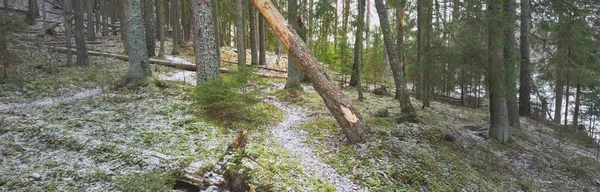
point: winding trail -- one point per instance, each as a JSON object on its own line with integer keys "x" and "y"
{"x": 52, "y": 101}
{"x": 291, "y": 139}
{"x": 294, "y": 141}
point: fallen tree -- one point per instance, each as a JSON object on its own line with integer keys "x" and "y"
{"x": 338, "y": 104}
{"x": 184, "y": 66}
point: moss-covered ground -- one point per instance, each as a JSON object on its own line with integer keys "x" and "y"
{"x": 448, "y": 150}
{"x": 109, "y": 141}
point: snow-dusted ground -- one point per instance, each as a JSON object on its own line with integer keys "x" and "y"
{"x": 295, "y": 141}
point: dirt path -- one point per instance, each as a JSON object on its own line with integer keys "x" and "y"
{"x": 294, "y": 141}
{"x": 52, "y": 101}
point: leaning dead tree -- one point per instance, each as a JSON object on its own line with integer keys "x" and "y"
{"x": 338, "y": 104}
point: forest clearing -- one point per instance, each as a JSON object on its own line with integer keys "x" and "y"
{"x": 91, "y": 103}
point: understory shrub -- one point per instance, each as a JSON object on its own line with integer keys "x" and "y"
{"x": 230, "y": 103}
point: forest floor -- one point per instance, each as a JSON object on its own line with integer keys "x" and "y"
{"x": 76, "y": 128}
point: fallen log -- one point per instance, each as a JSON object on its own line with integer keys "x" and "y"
{"x": 62, "y": 43}
{"x": 184, "y": 66}
{"x": 338, "y": 104}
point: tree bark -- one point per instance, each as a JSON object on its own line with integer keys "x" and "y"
{"x": 124, "y": 25}
{"x": 262, "y": 59}
{"x": 68, "y": 11}
{"x": 32, "y": 12}
{"x": 295, "y": 74}
{"x": 420, "y": 27}
{"x": 338, "y": 104}
{"x": 253, "y": 34}
{"x": 104, "y": 12}
{"x": 186, "y": 19}
{"x": 358, "y": 44}
{"x": 91, "y": 32}
{"x": 205, "y": 44}
{"x": 559, "y": 91}
{"x": 82, "y": 57}
{"x": 139, "y": 65}
{"x": 401, "y": 92}
{"x": 525, "y": 74}
{"x": 217, "y": 24}
{"x": 175, "y": 24}
{"x": 577, "y": 104}
{"x": 4, "y": 54}
{"x": 510, "y": 64}
{"x": 239, "y": 27}
{"x": 567, "y": 94}
{"x": 499, "y": 124}
{"x": 161, "y": 28}
{"x": 149, "y": 27}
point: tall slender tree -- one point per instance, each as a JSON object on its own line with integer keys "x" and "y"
{"x": 161, "y": 28}
{"x": 525, "y": 71}
{"x": 262, "y": 59}
{"x": 295, "y": 74}
{"x": 33, "y": 12}
{"x": 239, "y": 27}
{"x": 91, "y": 32}
{"x": 139, "y": 64}
{"x": 68, "y": 12}
{"x": 175, "y": 24}
{"x": 358, "y": 44}
{"x": 510, "y": 63}
{"x": 499, "y": 124}
{"x": 253, "y": 34}
{"x": 401, "y": 92}
{"x": 80, "y": 44}
{"x": 205, "y": 45}
{"x": 148, "y": 17}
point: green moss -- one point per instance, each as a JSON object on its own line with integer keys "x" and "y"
{"x": 151, "y": 181}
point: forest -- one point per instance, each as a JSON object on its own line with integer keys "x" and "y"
{"x": 299, "y": 95}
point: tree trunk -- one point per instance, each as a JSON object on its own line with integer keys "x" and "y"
{"x": 205, "y": 44}
{"x": 358, "y": 43}
{"x": 239, "y": 27}
{"x": 186, "y": 19}
{"x": 149, "y": 27}
{"x": 253, "y": 34}
{"x": 338, "y": 104}
{"x": 124, "y": 25}
{"x": 567, "y": 94}
{"x": 401, "y": 12}
{"x": 82, "y": 57}
{"x": 104, "y": 12}
{"x": 44, "y": 22}
{"x": 295, "y": 74}
{"x": 401, "y": 92}
{"x": 175, "y": 24}
{"x": 32, "y": 12}
{"x": 420, "y": 27}
{"x": 91, "y": 32}
{"x": 217, "y": 24}
{"x": 344, "y": 42}
{"x": 559, "y": 90}
{"x": 577, "y": 104}
{"x": 161, "y": 28}
{"x": 139, "y": 65}
{"x": 427, "y": 66}
{"x": 510, "y": 64}
{"x": 499, "y": 124}
{"x": 68, "y": 11}
{"x": 4, "y": 54}
{"x": 262, "y": 59}
{"x": 525, "y": 74}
